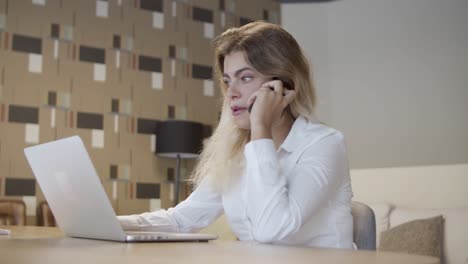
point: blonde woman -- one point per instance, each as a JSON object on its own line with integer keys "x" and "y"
{"x": 277, "y": 174}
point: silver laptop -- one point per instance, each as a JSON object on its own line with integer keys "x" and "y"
{"x": 77, "y": 199}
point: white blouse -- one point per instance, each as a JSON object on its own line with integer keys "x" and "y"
{"x": 299, "y": 194}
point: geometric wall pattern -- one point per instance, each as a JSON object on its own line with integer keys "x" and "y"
{"x": 110, "y": 71}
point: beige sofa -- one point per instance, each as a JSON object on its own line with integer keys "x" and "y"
{"x": 400, "y": 195}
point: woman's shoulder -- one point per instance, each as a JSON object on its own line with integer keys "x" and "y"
{"x": 313, "y": 128}
{"x": 319, "y": 138}
{"x": 309, "y": 132}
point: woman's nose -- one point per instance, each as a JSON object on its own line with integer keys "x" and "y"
{"x": 233, "y": 92}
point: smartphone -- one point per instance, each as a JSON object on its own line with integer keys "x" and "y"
{"x": 286, "y": 84}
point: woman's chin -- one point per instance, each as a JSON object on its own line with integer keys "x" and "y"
{"x": 242, "y": 123}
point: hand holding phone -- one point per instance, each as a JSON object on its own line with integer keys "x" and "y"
{"x": 250, "y": 107}
{"x": 285, "y": 85}
{"x": 272, "y": 109}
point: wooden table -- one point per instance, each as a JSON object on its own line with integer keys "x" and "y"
{"x": 48, "y": 245}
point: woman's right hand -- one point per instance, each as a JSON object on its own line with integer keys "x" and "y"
{"x": 271, "y": 99}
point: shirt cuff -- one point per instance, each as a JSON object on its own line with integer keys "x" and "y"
{"x": 262, "y": 161}
{"x": 260, "y": 149}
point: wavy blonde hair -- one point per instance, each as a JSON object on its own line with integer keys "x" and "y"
{"x": 271, "y": 51}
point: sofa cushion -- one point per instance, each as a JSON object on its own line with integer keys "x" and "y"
{"x": 421, "y": 237}
{"x": 455, "y": 230}
{"x": 382, "y": 218}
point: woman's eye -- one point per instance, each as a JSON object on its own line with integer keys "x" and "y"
{"x": 227, "y": 82}
{"x": 246, "y": 78}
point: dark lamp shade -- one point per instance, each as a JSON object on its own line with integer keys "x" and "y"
{"x": 179, "y": 137}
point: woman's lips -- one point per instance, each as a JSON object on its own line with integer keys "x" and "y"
{"x": 237, "y": 110}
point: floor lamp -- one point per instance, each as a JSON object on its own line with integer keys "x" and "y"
{"x": 179, "y": 139}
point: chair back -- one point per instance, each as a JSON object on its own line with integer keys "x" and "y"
{"x": 12, "y": 212}
{"x": 44, "y": 215}
{"x": 363, "y": 226}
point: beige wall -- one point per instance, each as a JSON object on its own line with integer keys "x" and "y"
{"x": 130, "y": 64}
{"x": 392, "y": 75}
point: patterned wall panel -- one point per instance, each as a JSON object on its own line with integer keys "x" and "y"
{"x": 110, "y": 72}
